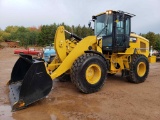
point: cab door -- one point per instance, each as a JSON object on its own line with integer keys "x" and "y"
{"x": 122, "y": 33}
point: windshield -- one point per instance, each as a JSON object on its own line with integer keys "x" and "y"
{"x": 103, "y": 25}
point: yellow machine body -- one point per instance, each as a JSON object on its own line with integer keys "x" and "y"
{"x": 68, "y": 51}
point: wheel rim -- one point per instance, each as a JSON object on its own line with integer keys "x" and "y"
{"x": 141, "y": 69}
{"x": 93, "y": 74}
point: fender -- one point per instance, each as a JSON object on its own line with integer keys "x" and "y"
{"x": 99, "y": 53}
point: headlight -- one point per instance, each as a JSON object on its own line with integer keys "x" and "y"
{"x": 109, "y": 12}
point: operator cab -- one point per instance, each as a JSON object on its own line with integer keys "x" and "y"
{"x": 114, "y": 28}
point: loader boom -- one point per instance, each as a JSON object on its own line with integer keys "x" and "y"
{"x": 60, "y": 47}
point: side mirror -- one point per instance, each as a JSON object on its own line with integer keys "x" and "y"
{"x": 89, "y": 24}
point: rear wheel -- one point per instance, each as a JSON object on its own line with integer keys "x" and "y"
{"x": 139, "y": 69}
{"x": 88, "y": 72}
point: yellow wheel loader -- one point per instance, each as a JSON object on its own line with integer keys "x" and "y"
{"x": 87, "y": 60}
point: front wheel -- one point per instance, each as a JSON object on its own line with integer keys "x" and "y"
{"x": 88, "y": 72}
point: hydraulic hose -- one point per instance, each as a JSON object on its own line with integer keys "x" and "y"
{"x": 73, "y": 35}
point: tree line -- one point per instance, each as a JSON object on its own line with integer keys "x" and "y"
{"x": 41, "y": 36}
{"x": 44, "y": 35}
{"x": 154, "y": 39}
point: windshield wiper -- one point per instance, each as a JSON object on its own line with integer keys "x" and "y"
{"x": 102, "y": 30}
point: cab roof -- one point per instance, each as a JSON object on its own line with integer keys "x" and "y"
{"x": 113, "y": 11}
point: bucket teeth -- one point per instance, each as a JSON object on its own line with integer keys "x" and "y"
{"x": 18, "y": 105}
{"x": 14, "y": 94}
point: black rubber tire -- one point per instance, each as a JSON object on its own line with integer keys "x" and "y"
{"x": 133, "y": 75}
{"x": 79, "y": 68}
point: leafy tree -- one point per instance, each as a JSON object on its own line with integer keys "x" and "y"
{"x": 79, "y": 31}
{"x": 157, "y": 46}
{"x": 33, "y": 35}
{"x": 9, "y": 32}
{"x": 46, "y": 36}
{"x": 6, "y": 36}
{"x": 1, "y": 37}
{"x": 22, "y": 35}
{"x": 11, "y": 29}
{"x": 152, "y": 38}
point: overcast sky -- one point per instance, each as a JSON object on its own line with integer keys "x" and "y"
{"x": 74, "y": 12}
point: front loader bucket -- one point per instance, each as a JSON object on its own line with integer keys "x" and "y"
{"x": 29, "y": 82}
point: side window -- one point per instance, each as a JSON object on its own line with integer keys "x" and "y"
{"x": 127, "y": 26}
{"x": 110, "y": 25}
{"x": 119, "y": 31}
{"x": 119, "y": 26}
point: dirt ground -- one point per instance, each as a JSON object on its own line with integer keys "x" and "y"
{"x": 117, "y": 100}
